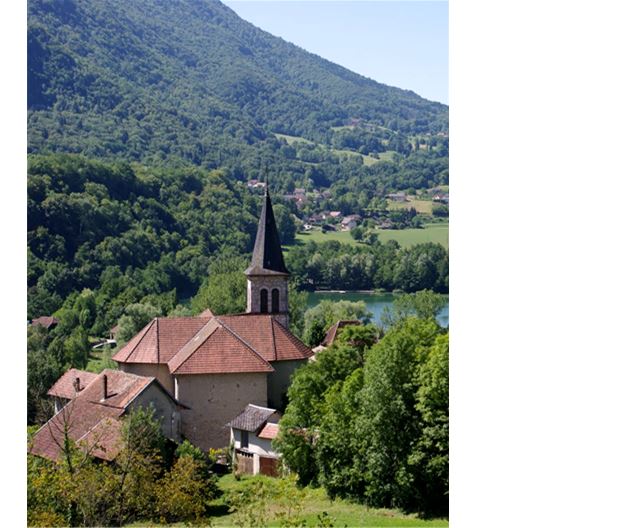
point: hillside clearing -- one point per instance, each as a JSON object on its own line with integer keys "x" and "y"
{"x": 421, "y": 206}
{"x": 406, "y": 237}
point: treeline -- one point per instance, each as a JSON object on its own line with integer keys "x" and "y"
{"x": 368, "y": 419}
{"x": 333, "y": 265}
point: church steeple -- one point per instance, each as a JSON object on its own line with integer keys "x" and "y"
{"x": 267, "y": 257}
{"x": 267, "y": 275}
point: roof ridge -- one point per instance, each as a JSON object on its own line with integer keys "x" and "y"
{"x": 273, "y": 339}
{"x": 252, "y": 349}
{"x": 194, "y": 349}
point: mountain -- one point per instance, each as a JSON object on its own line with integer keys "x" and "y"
{"x": 171, "y": 81}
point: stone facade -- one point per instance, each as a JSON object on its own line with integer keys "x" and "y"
{"x": 159, "y": 371}
{"x": 165, "y": 410}
{"x": 214, "y": 400}
{"x": 278, "y": 381}
{"x": 257, "y": 283}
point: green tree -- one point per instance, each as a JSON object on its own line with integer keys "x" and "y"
{"x": 388, "y": 416}
{"x": 225, "y": 290}
{"x": 432, "y": 450}
{"x": 423, "y": 304}
{"x": 135, "y": 317}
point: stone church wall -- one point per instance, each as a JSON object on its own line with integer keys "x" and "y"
{"x": 215, "y": 400}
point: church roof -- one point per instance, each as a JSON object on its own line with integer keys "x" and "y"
{"x": 160, "y": 339}
{"x": 267, "y": 336}
{"x": 217, "y": 344}
{"x": 267, "y": 257}
{"x": 92, "y": 421}
{"x": 217, "y": 350}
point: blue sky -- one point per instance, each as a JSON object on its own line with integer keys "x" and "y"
{"x": 400, "y": 43}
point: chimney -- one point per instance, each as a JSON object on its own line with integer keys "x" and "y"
{"x": 76, "y": 385}
{"x": 105, "y": 395}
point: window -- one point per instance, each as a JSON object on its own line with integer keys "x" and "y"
{"x": 275, "y": 300}
{"x": 244, "y": 439}
{"x": 264, "y": 308}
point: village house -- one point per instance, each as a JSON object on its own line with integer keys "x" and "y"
{"x": 214, "y": 366}
{"x": 397, "y": 197}
{"x": 350, "y": 222}
{"x": 92, "y": 416}
{"x": 251, "y": 434}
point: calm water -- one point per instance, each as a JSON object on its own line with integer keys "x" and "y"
{"x": 375, "y": 302}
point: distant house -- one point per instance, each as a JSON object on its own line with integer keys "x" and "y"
{"x": 335, "y": 214}
{"x": 251, "y": 433}
{"x": 398, "y": 196}
{"x": 333, "y": 331}
{"x": 112, "y": 333}
{"x": 350, "y": 222}
{"x": 385, "y": 224}
{"x": 46, "y": 321}
{"x": 92, "y": 418}
{"x": 255, "y": 184}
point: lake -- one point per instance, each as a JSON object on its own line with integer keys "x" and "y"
{"x": 375, "y": 303}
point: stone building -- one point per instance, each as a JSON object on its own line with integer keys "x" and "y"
{"x": 217, "y": 365}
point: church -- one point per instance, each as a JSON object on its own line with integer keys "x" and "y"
{"x": 208, "y": 368}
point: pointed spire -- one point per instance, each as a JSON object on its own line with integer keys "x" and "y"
{"x": 267, "y": 257}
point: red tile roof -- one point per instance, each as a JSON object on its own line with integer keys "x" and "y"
{"x": 65, "y": 386}
{"x": 217, "y": 350}
{"x": 269, "y": 431}
{"x": 160, "y": 339}
{"x": 267, "y": 336}
{"x": 202, "y": 344}
{"x": 46, "y": 321}
{"x": 91, "y": 421}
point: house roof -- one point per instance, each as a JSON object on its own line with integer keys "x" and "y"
{"x": 215, "y": 349}
{"x": 252, "y": 418}
{"x": 47, "y": 321}
{"x": 65, "y": 386}
{"x": 92, "y": 421}
{"x": 269, "y": 431}
{"x": 216, "y": 344}
{"x": 331, "y": 333}
{"x": 267, "y": 256}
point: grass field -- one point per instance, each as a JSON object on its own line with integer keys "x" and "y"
{"x": 341, "y": 513}
{"x": 406, "y": 237}
{"x": 292, "y": 139}
{"x": 421, "y": 206}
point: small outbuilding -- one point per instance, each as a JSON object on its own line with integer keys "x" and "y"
{"x": 251, "y": 434}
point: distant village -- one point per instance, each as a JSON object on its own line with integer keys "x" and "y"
{"x": 328, "y": 220}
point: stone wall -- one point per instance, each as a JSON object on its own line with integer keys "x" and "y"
{"x": 214, "y": 400}
{"x": 278, "y": 381}
{"x": 153, "y": 370}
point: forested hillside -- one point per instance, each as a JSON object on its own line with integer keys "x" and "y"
{"x": 166, "y": 82}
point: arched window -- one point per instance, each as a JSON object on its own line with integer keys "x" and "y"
{"x": 275, "y": 300}
{"x": 264, "y": 301}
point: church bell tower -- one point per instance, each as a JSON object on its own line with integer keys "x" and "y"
{"x": 267, "y": 276}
